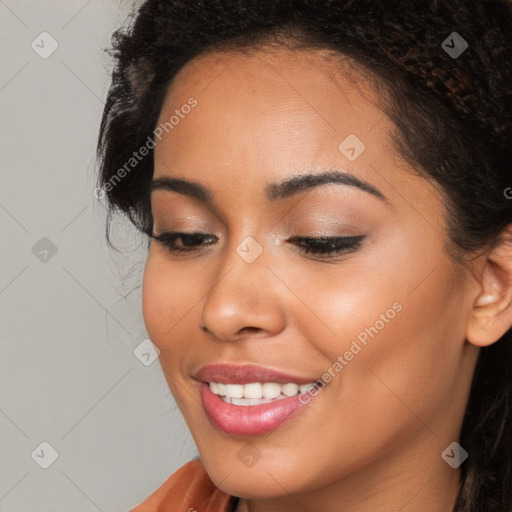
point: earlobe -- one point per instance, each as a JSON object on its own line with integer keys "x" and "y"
{"x": 491, "y": 316}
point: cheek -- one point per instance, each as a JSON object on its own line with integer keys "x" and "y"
{"x": 153, "y": 301}
{"x": 165, "y": 300}
{"x": 420, "y": 354}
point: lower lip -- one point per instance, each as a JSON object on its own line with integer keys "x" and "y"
{"x": 248, "y": 420}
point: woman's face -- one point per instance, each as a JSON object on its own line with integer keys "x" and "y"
{"x": 381, "y": 323}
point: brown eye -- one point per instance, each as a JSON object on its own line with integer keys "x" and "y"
{"x": 189, "y": 241}
{"x": 328, "y": 246}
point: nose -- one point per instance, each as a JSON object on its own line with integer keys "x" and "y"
{"x": 243, "y": 300}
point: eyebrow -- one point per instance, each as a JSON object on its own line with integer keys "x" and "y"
{"x": 273, "y": 191}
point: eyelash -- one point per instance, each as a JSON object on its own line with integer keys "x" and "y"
{"x": 321, "y": 246}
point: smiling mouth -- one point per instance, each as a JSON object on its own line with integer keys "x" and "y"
{"x": 250, "y": 416}
{"x": 248, "y": 399}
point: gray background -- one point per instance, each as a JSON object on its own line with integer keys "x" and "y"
{"x": 70, "y": 320}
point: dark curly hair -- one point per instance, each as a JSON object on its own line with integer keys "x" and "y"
{"x": 453, "y": 118}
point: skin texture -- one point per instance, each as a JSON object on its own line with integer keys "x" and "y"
{"x": 372, "y": 438}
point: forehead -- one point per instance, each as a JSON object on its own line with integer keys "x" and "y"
{"x": 290, "y": 95}
{"x": 313, "y": 80}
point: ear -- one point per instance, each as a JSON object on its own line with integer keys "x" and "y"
{"x": 491, "y": 316}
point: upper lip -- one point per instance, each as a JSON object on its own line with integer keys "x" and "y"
{"x": 245, "y": 374}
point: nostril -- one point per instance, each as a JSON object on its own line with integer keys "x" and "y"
{"x": 250, "y": 329}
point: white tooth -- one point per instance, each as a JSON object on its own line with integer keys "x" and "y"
{"x": 290, "y": 389}
{"x": 257, "y": 401}
{"x": 256, "y": 393}
{"x": 245, "y": 402}
{"x": 253, "y": 390}
{"x": 235, "y": 390}
{"x": 251, "y": 401}
{"x": 271, "y": 390}
{"x": 303, "y": 388}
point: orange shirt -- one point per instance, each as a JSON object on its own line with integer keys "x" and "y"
{"x": 189, "y": 489}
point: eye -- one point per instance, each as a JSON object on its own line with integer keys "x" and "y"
{"x": 320, "y": 246}
{"x": 328, "y": 246}
{"x": 190, "y": 241}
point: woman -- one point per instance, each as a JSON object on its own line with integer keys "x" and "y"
{"x": 326, "y": 192}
